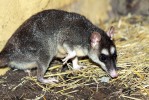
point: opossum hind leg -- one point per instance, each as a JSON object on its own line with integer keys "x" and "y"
{"x": 42, "y": 67}
{"x": 41, "y": 70}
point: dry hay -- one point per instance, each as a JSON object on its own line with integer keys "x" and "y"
{"x": 132, "y": 40}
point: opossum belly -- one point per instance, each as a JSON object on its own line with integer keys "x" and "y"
{"x": 61, "y": 52}
{"x": 22, "y": 65}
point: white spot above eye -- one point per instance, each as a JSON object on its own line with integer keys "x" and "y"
{"x": 105, "y": 51}
{"x": 112, "y": 50}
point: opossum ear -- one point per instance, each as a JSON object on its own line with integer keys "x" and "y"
{"x": 95, "y": 39}
{"x": 110, "y": 32}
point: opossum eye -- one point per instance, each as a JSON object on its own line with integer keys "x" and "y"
{"x": 115, "y": 55}
{"x": 103, "y": 57}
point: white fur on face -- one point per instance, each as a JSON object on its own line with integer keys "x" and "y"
{"x": 96, "y": 60}
{"x": 104, "y": 51}
{"x": 103, "y": 66}
{"x": 112, "y": 50}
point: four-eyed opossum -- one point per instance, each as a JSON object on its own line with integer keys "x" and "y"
{"x": 56, "y": 33}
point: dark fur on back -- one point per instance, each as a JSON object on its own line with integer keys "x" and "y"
{"x": 35, "y": 42}
{"x": 41, "y": 30}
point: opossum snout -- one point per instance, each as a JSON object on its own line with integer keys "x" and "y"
{"x": 113, "y": 74}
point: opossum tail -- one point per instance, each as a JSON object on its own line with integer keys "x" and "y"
{"x": 3, "y": 61}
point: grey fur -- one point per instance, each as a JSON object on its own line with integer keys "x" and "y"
{"x": 49, "y": 34}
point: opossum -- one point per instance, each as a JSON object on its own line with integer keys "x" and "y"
{"x": 60, "y": 34}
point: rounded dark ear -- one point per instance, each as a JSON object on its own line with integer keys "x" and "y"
{"x": 95, "y": 39}
{"x": 110, "y": 32}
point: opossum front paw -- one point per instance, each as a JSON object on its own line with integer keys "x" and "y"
{"x": 69, "y": 56}
{"x": 65, "y": 60}
{"x": 79, "y": 67}
{"x": 76, "y": 67}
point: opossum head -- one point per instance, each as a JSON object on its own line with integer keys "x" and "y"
{"x": 103, "y": 51}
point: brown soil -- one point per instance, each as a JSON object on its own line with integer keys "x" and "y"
{"x": 14, "y": 86}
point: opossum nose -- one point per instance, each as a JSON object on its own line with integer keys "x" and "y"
{"x": 113, "y": 74}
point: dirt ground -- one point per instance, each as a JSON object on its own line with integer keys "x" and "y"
{"x": 15, "y": 86}
{"x": 29, "y": 90}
